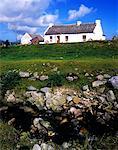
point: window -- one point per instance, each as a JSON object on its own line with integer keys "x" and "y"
{"x": 50, "y": 38}
{"x": 84, "y": 37}
{"x": 66, "y": 38}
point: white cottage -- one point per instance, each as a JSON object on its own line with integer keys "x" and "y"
{"x": 79, "y": 32}
{"x": 31, "y": 39}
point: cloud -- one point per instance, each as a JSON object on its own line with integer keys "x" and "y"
{"x": 83, "y": 10}
{"x": 20, "y": 29}
{"x": 27, "y": 15}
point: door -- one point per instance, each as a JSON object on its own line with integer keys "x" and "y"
{"x": 58, "y": 39}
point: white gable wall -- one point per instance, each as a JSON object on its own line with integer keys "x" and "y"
{"x": 26, "y": 39}
{"x": 98, "y": 31}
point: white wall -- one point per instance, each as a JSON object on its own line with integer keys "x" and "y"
{"x": 99, "y": 35}
{"x": 71, "y": 38}
{"x": 26, "y": 39}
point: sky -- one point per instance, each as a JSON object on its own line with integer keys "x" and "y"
{"x": 34, "y": 16}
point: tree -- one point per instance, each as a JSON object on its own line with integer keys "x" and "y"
{"x": 7, "y": 43}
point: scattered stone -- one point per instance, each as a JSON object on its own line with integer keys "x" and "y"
{"x": 98, "y": 83}
{"x": 76, "y": 100}
{"x": 114, "y": 81}
{"x": 75, "y": 112}
{"x": 100, "y": 77}
{"x": 24, "y": 74}
{"x": 110, "y": 96}
{"x": 107, "y": 76}
{"x": 43, "y": 78}
{"x": 36, "y": 76}
{"x": 69, "y": 78}
{"x": 36, "y": 147}
{"x": 11, "y": 121}
{"x": 31, "y": 88}
{"x": 37, "y": 124}
{"x": 11, "y": 98}
{"x": 86, "y": 74}
{"x": 69, "y": 98}
{"x": 45, "y": 90}
{"x": 32, "y": 78}
{"x": 85, "y": 88}
{"x": 66, "y": 145}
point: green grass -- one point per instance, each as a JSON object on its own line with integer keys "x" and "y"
{"x": 78, "y": 58}
{"x": 67, "y": 51}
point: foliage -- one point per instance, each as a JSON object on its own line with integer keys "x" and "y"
{"x": 55, "y": 80}
{"x": 8, "y": 137}
{"x": 8, "y": 81}
{"x": 25, "y": 141}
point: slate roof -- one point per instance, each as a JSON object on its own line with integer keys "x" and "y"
{"x": 71, "y": 29}
{"x": 41, "y": 39}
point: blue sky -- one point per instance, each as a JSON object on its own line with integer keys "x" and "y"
{"x": 33, "y": 16}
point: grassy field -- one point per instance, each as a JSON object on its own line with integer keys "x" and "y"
{"x": 91, "y": 57}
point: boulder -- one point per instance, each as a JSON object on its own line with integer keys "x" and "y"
{"x": 100, "y": 77}
{"x": 98, "y": 83}
{"x": 31, "y": 88}
{"x": 110, "y": 95}
{"x": 85, "y": 88}
{"x": 107, "y": 76}
{"x": 36, "y": 147}
{"x": 43, "y": 78}
{"x": 11, "y": 98}
{"x": 114, "y": 81}
{"x": 24, "y": 74}
{"x": 45, "y": 90}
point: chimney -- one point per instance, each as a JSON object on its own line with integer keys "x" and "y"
{"x": 98, "y": 21}
{"x": 51, "y": 24}
{"x": 78, "y": 23}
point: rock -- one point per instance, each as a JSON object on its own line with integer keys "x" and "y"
{"x": 85, "y": 88}
{"x": 114, "y": 81}
{"x": 76, "y": 100}
{"x": 46, "y": 124}
{"x": 24, "y": 74}
{"x": 11, "y": 98}
{"x": 55, "y": 69}
{"x": 32, "y": 88}
{"x": 86, "y": 74}
{"x": 37, "y": 124}
{"x": 36, "y": 76}
{"x": 11, "y": 121}
{"x": 107, "y": 76}
{"x": 69, "y": 98}
{"x": 110, "y": 96}
{"x": 36, "y": 147}
{"x": 98, "y": 83}
{"x": 76, "y": 112}
{"x": 66, "y": 145}
{"x": 101, "y": 90}
{"x": 69, "y": 78}
{"x": 45, "y": 90}
{"x": 43, "y": 78}
{"x": 100, "y": 77}
{"x": 44, "y": 146}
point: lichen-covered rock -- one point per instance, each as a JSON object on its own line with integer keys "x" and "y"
{"x": 110, "y": 95}
{"x": 24, "y": 74}
{"x": 114, "y": 81}
{"x": 98, "y": 83}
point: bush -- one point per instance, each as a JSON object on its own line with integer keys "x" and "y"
{"x": 8, "y": 81}
{"x": 8, "y": 137}
{"x": 55, "y": 80}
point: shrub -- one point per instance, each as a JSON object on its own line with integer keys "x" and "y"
{"x": 8, "y": 137}
{"x": 55, "y": 80}
{"x": 8, "y": 81}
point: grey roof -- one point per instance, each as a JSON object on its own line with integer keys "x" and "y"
{"x": 71, "y": 29}
{"x": 37, "y": 36}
